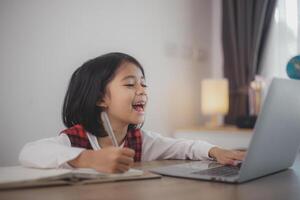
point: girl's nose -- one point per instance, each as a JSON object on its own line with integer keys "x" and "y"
{"x": 141, "y": 90}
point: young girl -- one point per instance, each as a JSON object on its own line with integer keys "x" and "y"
{"x": 114, "y": 83}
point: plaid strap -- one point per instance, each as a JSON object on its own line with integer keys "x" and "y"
{"x": 78, "y": 138}
{"x": 133, "y": 140}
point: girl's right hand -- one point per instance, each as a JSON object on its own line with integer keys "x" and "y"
{"x": 109, "y": 159}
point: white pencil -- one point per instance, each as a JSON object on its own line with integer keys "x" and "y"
{"x": 108, "y": 128}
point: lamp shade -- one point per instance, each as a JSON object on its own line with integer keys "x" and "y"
{"x": 214, "y": 96}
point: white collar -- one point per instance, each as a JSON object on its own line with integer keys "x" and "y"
{"x": 94, "y": 142}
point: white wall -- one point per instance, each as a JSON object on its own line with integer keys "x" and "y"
{"x": 42, "y": 42}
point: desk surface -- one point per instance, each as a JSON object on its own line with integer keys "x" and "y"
{"x": 283, "y": 185}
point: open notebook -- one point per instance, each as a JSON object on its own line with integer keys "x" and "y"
{"x": 19, "y": 177}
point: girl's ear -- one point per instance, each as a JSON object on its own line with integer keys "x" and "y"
{"x": 101, "y": 103}
{"x": 104, "y": 102}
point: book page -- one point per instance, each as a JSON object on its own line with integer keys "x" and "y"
{"x": 19, "y": 177}
{"x": 19, "y": 174}
{"x": 86, "y": 173}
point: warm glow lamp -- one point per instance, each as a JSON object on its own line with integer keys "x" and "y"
{"x": 214, "y": 100}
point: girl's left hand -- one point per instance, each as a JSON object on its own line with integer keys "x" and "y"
{"x": 226, "y": 157}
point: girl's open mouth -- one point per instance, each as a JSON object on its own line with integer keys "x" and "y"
{"x": 139, "y": 107}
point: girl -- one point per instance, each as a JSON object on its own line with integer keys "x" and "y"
{"x": 114, "y": 83}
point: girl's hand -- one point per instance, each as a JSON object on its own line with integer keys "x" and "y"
{"x": 109, "y": 159}
{"x": 226, "y": 157}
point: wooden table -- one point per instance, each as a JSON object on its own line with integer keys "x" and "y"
{"x": 283, "y": 185}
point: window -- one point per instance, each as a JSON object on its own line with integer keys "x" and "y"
{"x": 284, "y": 39}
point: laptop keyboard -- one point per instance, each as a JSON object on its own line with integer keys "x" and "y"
{"x": 220, "y": 171}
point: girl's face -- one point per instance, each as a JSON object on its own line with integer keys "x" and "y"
{"x": 126, "y": 97}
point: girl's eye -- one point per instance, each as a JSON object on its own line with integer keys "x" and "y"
{"x": 133, "y": 85}
{"x": 129, "y": 85}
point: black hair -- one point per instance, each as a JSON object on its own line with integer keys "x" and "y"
{"x": 87, "y": 86}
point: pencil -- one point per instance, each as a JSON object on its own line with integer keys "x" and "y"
{"x": 108, "y": 128}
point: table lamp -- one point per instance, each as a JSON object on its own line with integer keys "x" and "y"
{"x": 214, "y": 100}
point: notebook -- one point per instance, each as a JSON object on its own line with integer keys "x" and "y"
{"x": 20, "y": 177}
{"x": 274, "y": 145}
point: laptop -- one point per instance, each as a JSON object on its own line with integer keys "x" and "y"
{"x": 274, "y": 145}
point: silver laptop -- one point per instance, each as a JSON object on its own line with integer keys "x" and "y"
{"x": 273, "y": 147}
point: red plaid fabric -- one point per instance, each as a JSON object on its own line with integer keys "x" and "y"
{"x": 133, "y": 140}
{"x": 78, "y": 138}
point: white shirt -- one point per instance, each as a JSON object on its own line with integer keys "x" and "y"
{"x": 55, "y": 152}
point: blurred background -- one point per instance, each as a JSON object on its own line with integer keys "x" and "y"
{"x": 178, "y": 42}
